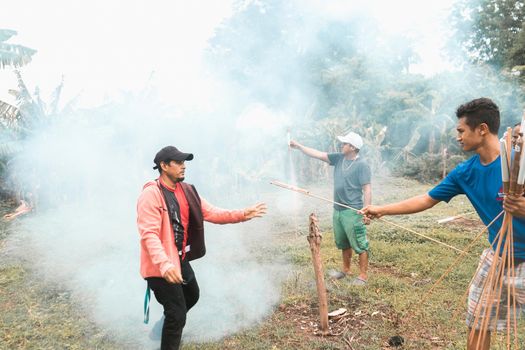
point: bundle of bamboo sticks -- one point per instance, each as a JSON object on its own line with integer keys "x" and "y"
{"x": 501, "y": 275}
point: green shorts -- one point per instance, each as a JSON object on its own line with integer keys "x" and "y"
{"x": 349, "y": 231}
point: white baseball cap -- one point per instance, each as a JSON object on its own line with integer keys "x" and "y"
{"x": 352, "y": 138}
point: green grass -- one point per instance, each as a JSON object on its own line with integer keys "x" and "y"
{"x": 36, "y": 314}
{"x": 403, "y": 267}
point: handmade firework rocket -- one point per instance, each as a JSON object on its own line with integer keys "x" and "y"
{"x": 501, "y": 276}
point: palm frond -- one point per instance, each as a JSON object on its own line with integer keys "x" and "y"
{"x": 13, "y": 93}
{"x": 40, "y": 105}
{"x": 9, "y": 114}
{"x": 53, "y": 108}
{"x": 23, "y": 93}
{"x": 6, "y": 34}
{"x": 9, "y": 148}
{"x": 14, "y": 55}
{"x": 416, "y": 135}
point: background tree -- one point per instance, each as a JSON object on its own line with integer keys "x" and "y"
{"x": 487, "y": 31}
{"x": 12, "y": 56}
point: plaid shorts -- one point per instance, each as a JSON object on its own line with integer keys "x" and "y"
{"x": 476, "y": 289}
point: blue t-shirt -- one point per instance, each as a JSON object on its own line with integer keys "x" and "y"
{"x": 483, "y": 186}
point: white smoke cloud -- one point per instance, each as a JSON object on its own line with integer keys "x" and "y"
{"x": 88, "y": 168}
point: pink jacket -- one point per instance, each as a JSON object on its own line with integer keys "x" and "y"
{"x": 158, "y": 252}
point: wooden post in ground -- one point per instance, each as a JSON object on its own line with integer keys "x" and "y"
{"x": 314, "y": 239}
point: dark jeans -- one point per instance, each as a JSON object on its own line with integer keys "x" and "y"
{"x": 177, "y": 300}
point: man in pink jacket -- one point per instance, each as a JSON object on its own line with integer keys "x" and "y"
{"x": 170, "y": 216}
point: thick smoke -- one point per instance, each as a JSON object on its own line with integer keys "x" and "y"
{"x": 85, "y": 170}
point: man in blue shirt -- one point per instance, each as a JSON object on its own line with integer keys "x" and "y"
{"x": 479, "y": 178}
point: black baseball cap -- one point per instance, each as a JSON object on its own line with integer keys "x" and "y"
{"x": 168, "y": 154}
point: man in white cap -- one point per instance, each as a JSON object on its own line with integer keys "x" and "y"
{"x": 352, "y": 187}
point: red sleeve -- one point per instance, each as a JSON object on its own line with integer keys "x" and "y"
{"x": 220, "y": 216}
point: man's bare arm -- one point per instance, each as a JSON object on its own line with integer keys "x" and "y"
{"x": 367, "y": 200}
{"x": 409, "y": 206}
{"x": 311, "y": 152}
{"x": 367, "y": 194}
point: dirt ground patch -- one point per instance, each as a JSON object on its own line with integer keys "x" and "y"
{"x": 344, "y": 329}
{"x": 466, "y": 222}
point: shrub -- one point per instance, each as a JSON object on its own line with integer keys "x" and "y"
{"x": 426, "y": 167}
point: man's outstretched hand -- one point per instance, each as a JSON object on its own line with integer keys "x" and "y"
{"x": 256, "y": 211}
{"x": 372, "y": 212}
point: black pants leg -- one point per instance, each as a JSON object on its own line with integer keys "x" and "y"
{"x": 191, "y": 288}
{"x": 176, "y": 299}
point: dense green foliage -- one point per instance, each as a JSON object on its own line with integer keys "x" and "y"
{"x": 340, "y": 74}
{"x": 12, "y": 116}
{"x": 490, "y": 31}
{"x": 333, "y": 74}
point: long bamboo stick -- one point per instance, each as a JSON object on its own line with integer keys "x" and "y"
{"x": 509, "y": 272}
{"x": 308, "y": 193}
{"x": 484, "y": 297}
{"x": 503, "y": 259}
{"x": 454, "y": 264}
{"x": 493, "y": 285}
{"x": 498, "y": 290}
{"x": 480, "y": 264}
{"x": 452, "y": 218}
{"x": 515, "y": 168}
{"x": 410, "y": 313}
{"x": 508, "y": 135}
{"x": 512, "y": 286}
{"x": 504, "y": 161}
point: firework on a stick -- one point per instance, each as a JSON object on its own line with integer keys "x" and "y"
{"x": 501, "y": 275}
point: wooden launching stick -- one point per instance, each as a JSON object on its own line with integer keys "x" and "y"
{"x": 487, "y": 307}
{"x": 482, "y": 262}
{"x": 487, "y": 298}
{"x": 452, "y": 218}
{"x": 309, "y": 194}
{"x": 424, "y": 298}
{"x": 515, "y": 168}
{"x": 505, "y": 161}
{"x": 513, "y": 291}
{"x": 314, "y": 239}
